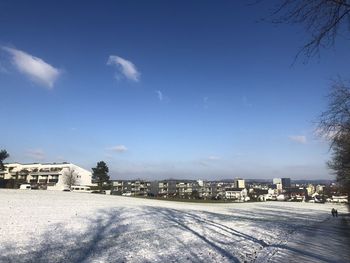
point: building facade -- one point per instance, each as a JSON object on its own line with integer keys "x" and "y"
{"x": 283, "y": 182}
{"x": 131, "y": 187}
{"x": 52, "y": 176}
{"x": 286, "y": 183}
{"x": 239, "y": 194}
{"x": 239, "y": 183}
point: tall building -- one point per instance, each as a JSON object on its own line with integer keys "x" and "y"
{"x": 286, "y": 182}
{"x": 239, "y": 183}
{"x": 277, "y": 181}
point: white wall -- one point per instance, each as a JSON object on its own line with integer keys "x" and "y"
{"x": 83, "y": 176}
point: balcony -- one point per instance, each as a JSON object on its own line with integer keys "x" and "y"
{"x": 48, "y": 173}
{"x": 53, "y": 180}
{"x": 22, "y": 177}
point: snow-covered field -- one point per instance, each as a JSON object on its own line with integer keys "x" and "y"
{"x": 48, "y": 226}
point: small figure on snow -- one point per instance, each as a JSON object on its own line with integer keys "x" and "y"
{"x": 333, "y": 212}
{"x": 336, "y": 212}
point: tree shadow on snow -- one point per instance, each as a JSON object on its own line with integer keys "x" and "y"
{"x": 151, "y": 234}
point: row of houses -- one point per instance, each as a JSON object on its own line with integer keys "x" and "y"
{"x": 182, "y": 189}
{"x": 53, "y": 176}
{"x": 294, "y": 192}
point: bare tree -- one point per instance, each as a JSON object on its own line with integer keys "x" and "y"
{"x": 335, "y": 126}
{"x": 70, "y": 178}
{"x": 323, "y": 20}
{"x": 335, "y": 121}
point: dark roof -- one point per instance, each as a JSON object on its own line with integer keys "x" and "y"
{"x": 234, "y": 189}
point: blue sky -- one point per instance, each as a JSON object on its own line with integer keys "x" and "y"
{"x": 159, "y": 89}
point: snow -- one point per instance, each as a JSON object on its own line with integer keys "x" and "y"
{"x": 49, "y": 226}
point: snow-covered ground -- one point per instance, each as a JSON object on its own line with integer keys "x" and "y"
{"x": 48, "y": 226}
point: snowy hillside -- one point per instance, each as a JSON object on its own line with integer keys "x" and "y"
{"x": 44, "y": 226}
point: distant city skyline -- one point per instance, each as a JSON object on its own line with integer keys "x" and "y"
{"x": 163, "y": 89}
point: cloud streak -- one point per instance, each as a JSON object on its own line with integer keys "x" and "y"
{"x": 119, "y": 148}
{"x": 213, "y": 158}
{"x": 125, "y": 67}
{"x": 36, "y": 154}
{"x": 160, "y": 95}
{"x": 298, "y": 139}
{"x": 33, "y": 67}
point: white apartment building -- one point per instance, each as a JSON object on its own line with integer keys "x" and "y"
{"x": 236, "y": 194}
{"x": 51, "y": 175}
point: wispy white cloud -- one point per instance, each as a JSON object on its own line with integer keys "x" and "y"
{"x": 125, "y": 67}
{"x": 209, "y": 161}
{"x": 298, "y": 138}
{"x": 213, "y": 158}
{"x": 33, "y": 67}
{"x": 160, "y": 95}
{"x": 203, "y": 163}
{"x": 35, "y": 154}
{"x": 119, "y": 148}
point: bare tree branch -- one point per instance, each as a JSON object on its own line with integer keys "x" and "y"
{"x": 334, "y": 124}
{"x": 322, "y": 19}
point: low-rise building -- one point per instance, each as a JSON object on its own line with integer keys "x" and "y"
{"x": 204, "y": 189}
{"x": 184, "y": 188}
{"x": 297, "y": 194}
{"x": 310, "y": 189}
{"x": 257, "y": 193}
{"x": 238, "y": 194}
{"x": 131, "y": 187}
{"x": 340, "y": 199}
{"x": 163, "y": 188}
{"x": 51, "y": 176}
